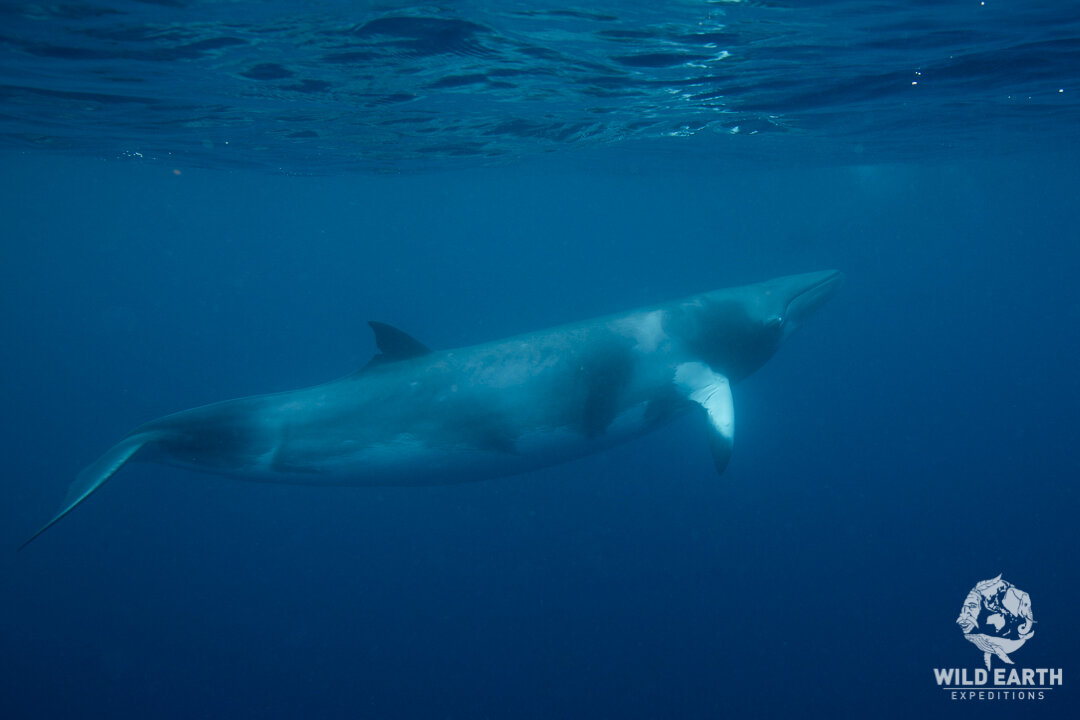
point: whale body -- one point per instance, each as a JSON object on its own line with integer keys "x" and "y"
{"x": 414, "y": 416}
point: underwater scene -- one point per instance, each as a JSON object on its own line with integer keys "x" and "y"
{"x": 697, "y": 359}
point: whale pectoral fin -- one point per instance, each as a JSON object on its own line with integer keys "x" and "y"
{"x": 94, "y": 476}
{"x": 712, "y": 392}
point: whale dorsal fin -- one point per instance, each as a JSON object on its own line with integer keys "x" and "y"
{"x": 712, "y": 392}
{"x": 394, "y": 345}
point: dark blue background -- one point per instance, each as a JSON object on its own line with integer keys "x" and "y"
{"x": 916, "y": 437}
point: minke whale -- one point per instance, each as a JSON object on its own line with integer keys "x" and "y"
{"x": 416, "y": 416}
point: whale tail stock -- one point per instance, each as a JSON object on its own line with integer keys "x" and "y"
{"x": 94, "y": 476}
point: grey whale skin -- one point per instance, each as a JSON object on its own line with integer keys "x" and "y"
{"x": 413, "y": 416}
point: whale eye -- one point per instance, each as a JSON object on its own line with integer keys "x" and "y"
{"x": 775, "y": 322}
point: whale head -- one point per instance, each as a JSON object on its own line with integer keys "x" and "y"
{"x": 789, "y": 301}
{"x": 736, "y": 330}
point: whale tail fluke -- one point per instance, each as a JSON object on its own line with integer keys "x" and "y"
{"x": 94, "y": 476}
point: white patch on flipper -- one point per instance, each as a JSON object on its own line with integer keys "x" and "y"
{"x": 711, "y": 391}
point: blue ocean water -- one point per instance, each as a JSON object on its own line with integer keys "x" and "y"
{"x": 204, "y": 200}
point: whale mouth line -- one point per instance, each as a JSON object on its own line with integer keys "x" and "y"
{"x": 823, "y": 287}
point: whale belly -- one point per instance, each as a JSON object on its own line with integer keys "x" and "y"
{"x": 410, "y": 459}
